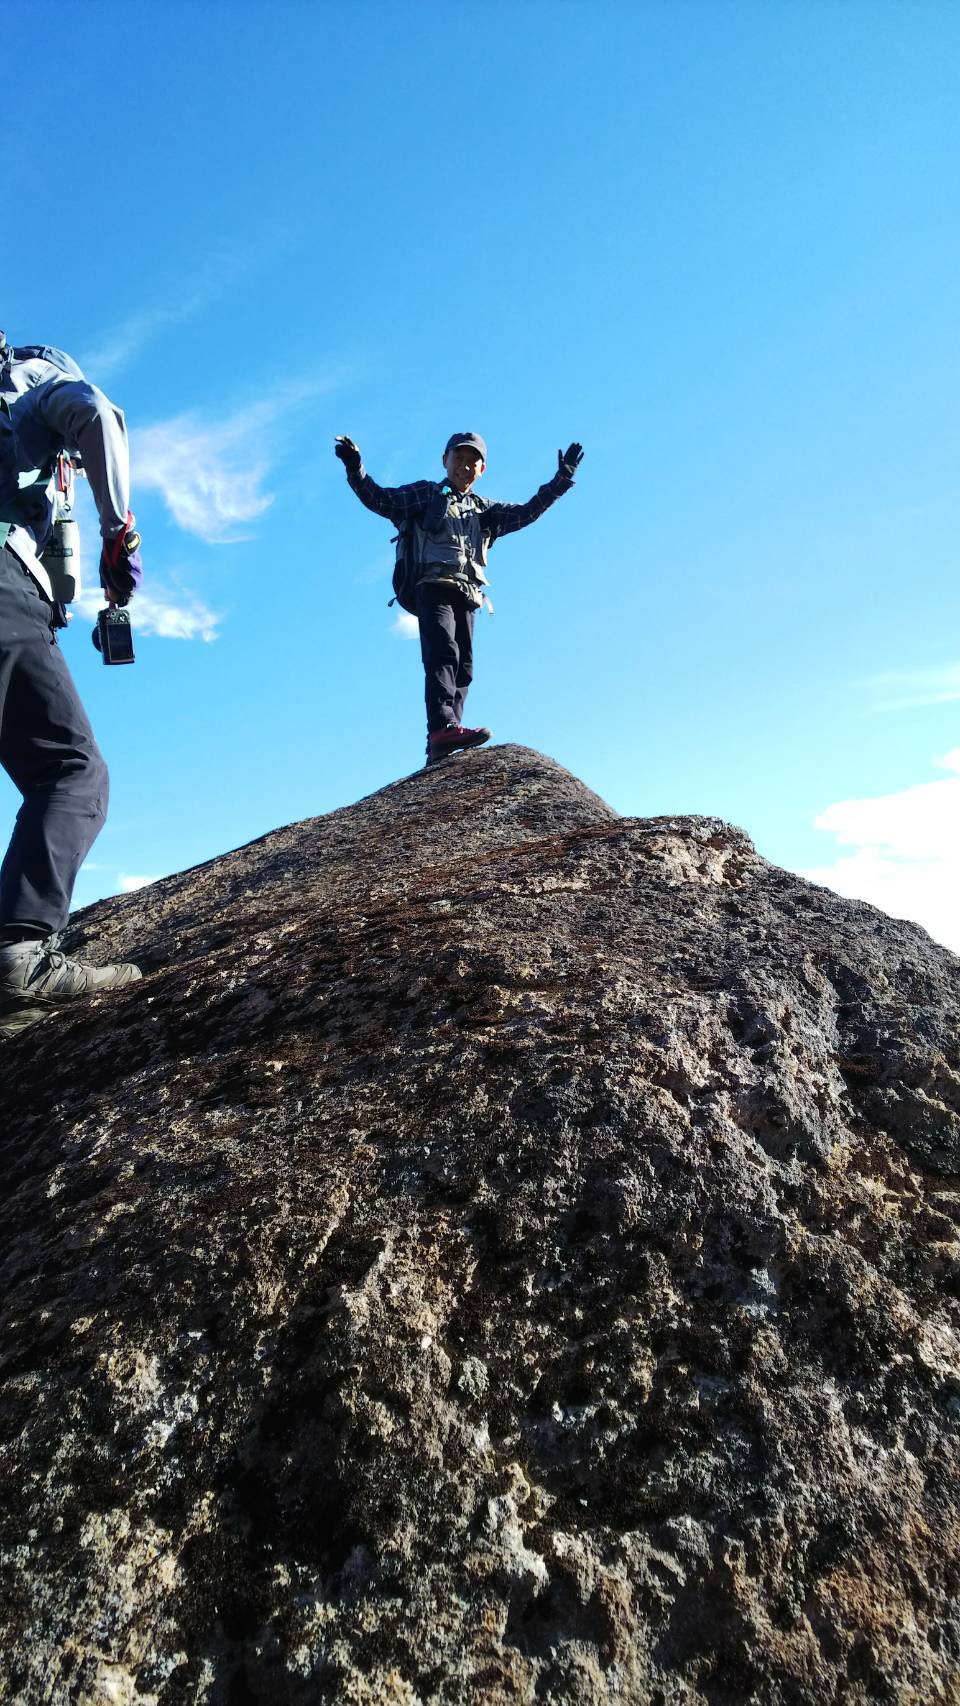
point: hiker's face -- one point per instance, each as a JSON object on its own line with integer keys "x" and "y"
{"x": 463, "y": 465}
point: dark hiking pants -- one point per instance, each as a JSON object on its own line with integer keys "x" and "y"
{"x": 446, "y": 646}
{"x": 48, "y": 751}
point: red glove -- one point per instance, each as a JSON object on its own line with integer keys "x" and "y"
{"x": 121, "y": 567}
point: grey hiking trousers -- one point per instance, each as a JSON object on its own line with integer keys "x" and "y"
{"x": 48, "y": 750}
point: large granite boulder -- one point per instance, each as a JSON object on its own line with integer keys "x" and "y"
{"x": 503, "y": 1252}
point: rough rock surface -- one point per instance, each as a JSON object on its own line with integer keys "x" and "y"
{"x": 503, "y": 1252}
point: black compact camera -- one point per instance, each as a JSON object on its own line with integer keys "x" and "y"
{"x": 113, "y": 636}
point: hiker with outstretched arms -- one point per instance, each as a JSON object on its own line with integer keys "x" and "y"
{"x": 446, "y": 531}
{"x": 51, "y": 416}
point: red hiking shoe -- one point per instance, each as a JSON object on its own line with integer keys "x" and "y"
{"x": 443, "y": 741}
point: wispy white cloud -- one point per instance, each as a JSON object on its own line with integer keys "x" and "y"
{"x": 181, "y": 301}
{"x": 130, "y": 884}
{"x": 162, "y": 608}
{"x": 210, "y": 473}
{"x": 164, "y": 614}
{"x": 122, "y": 343}
{"x": 912, "y": 688}
{"x": 209, "y": 477}
{"x": 906, "y": 856}
{"x": 405, "y": 625}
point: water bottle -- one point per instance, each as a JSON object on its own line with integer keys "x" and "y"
{"x": 61, "y": 559}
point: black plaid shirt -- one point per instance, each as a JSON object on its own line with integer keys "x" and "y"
{"x": 404, "y": 503}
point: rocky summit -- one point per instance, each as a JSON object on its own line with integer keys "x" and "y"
{"x": 502, "y": 1252}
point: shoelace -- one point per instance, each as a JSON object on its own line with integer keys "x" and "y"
{"x": 53, "y": 963}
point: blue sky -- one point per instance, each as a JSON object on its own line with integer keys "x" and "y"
{"x": 717, "y": 242}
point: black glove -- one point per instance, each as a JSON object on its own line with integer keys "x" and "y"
{"x": 348, "y": 454}
{"x": 569, "y": 460}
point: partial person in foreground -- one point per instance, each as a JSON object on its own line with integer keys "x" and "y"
{"x": 48, "y": 412}
{"x": 445, "y": 533}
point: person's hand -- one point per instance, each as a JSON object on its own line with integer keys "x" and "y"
{"x": 121, "y": 566}
{"x": 569, "y": 460}
{"x": 349, "y": 454}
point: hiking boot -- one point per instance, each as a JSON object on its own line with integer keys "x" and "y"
{"x": 452, "y": 739}
{"x": 36, "y": 980}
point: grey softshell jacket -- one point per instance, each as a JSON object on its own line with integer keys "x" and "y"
{"x": 46, "y": 405}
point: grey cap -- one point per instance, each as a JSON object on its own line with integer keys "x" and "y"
{"x": 472, "y": 439}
